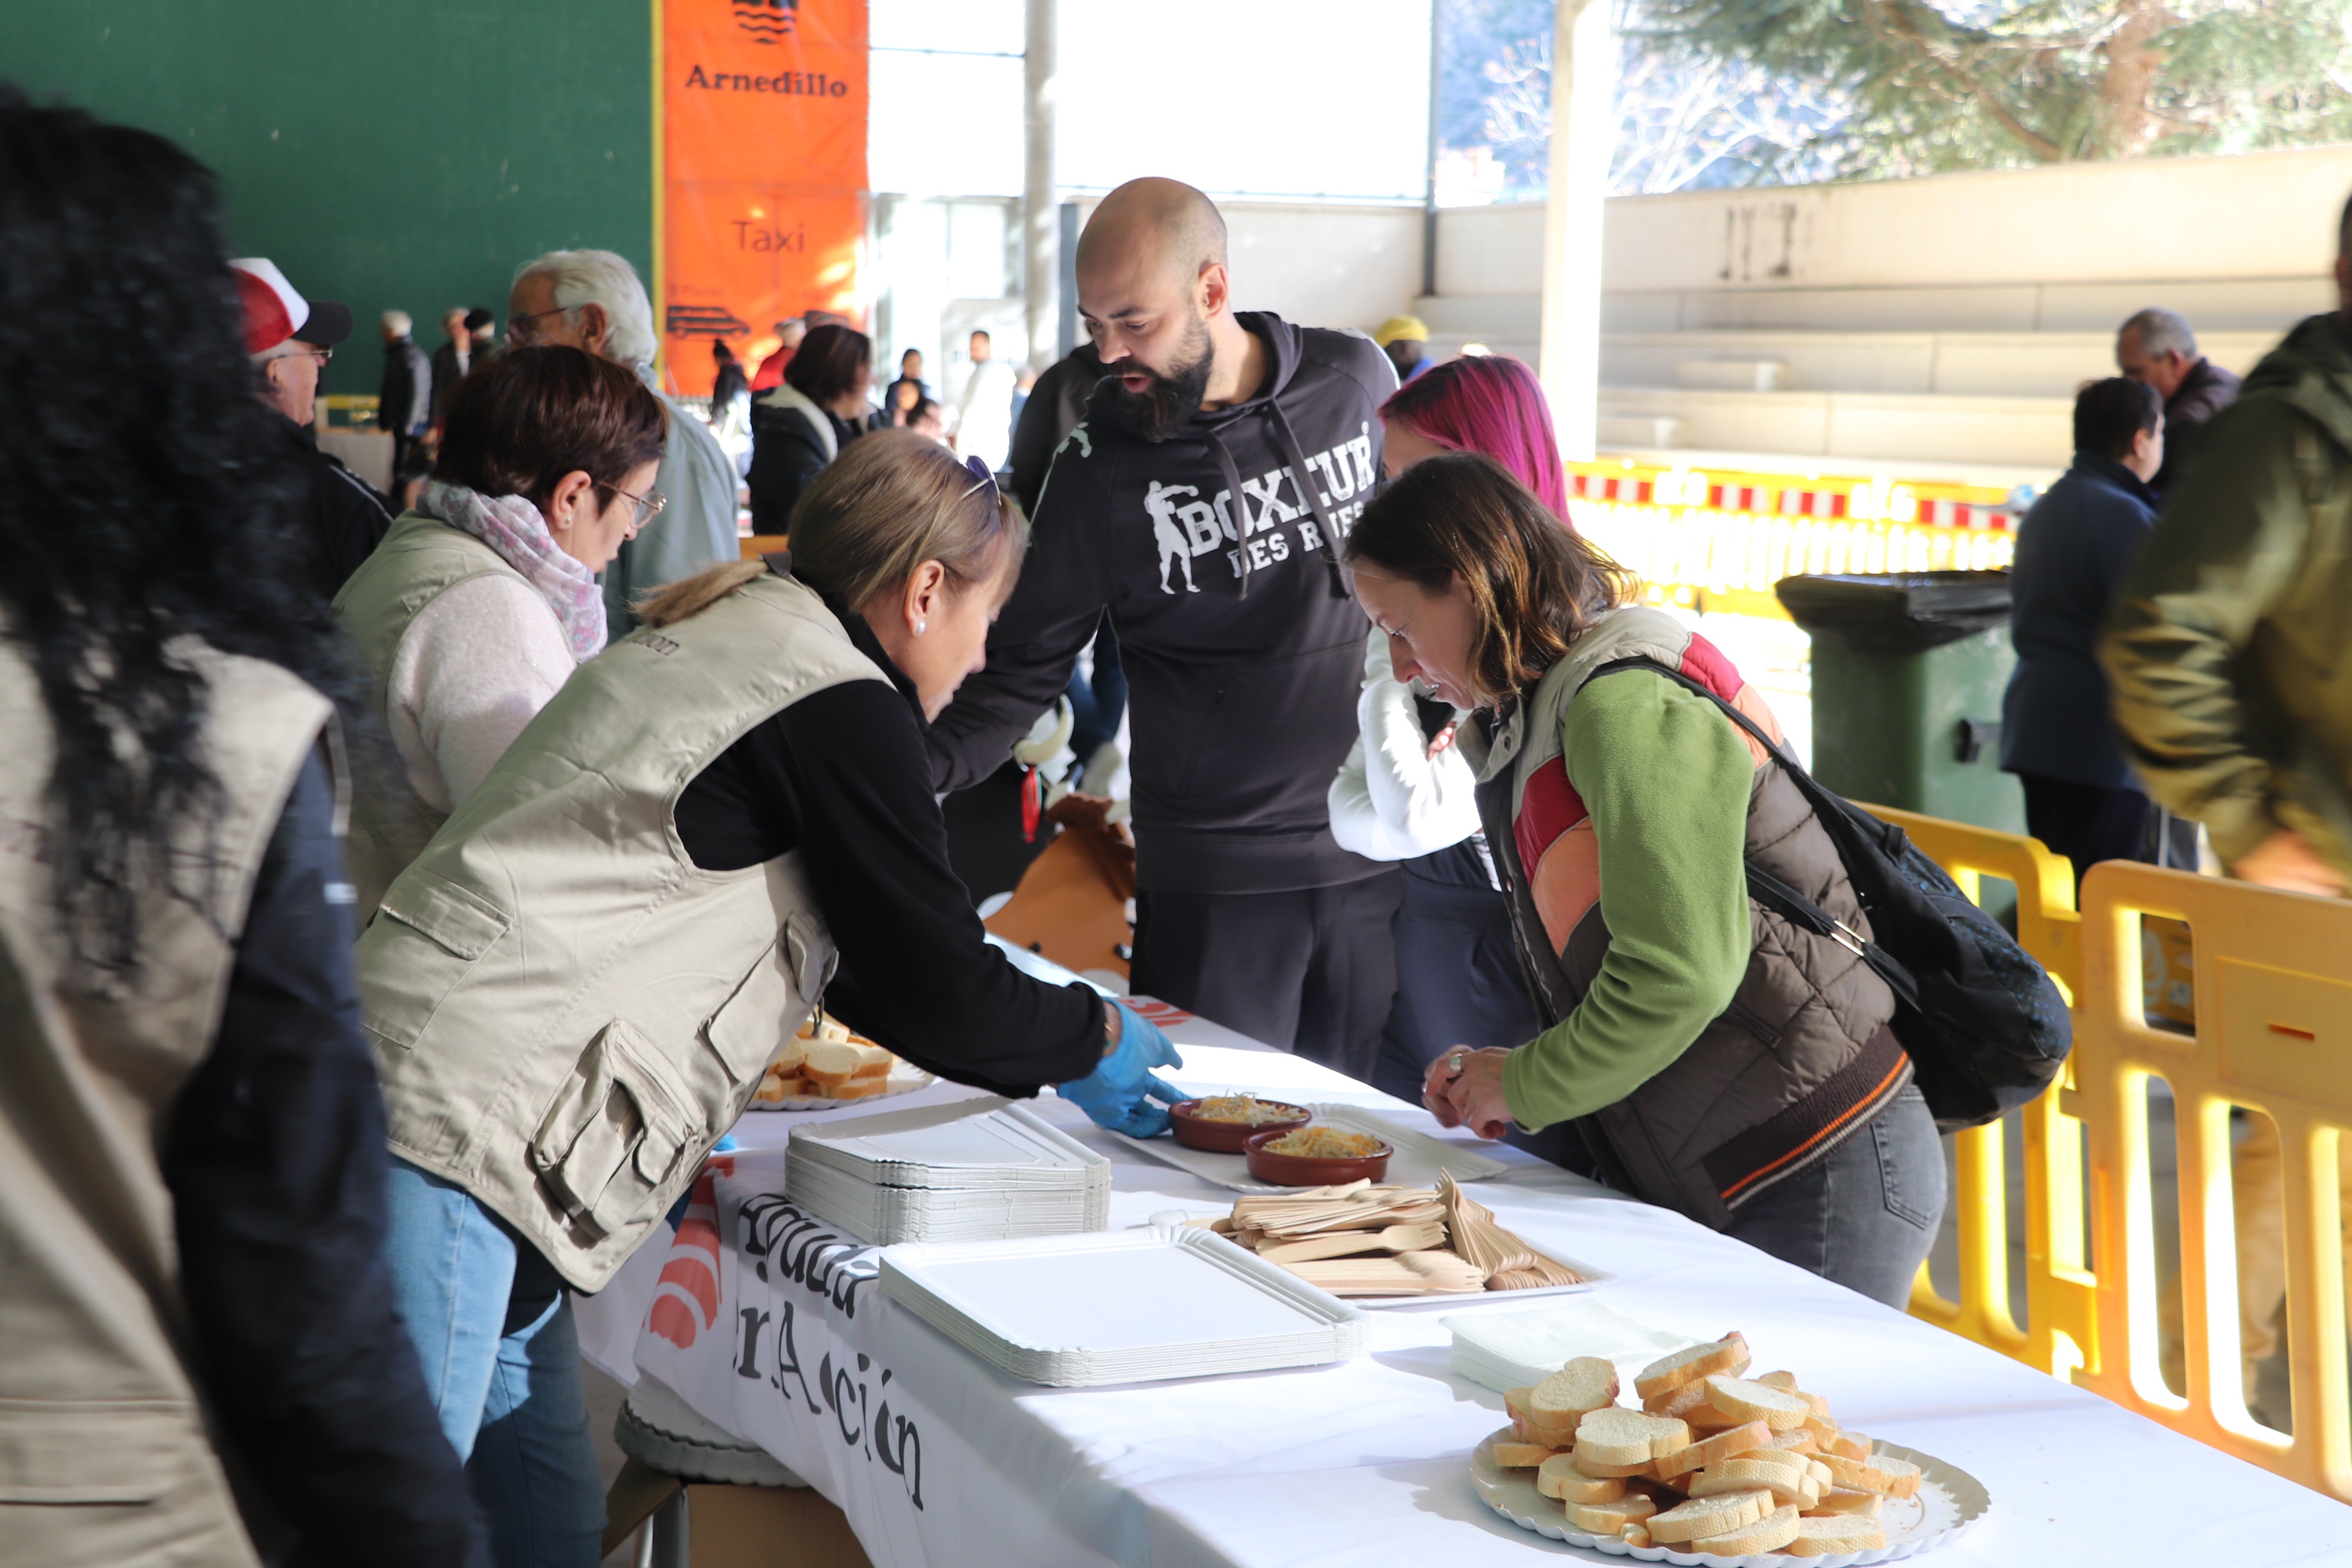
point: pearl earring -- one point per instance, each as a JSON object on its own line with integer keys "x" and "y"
{"x": 919, "y": 627}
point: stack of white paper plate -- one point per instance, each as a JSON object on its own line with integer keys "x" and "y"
{"x": 971, "y": 1171}
{"x": 1131, "y": 1306}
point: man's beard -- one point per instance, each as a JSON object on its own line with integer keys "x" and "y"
{"x": 1171, "y": 399}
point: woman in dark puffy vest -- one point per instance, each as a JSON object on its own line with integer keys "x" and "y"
{"x": 1715, "y": 1058}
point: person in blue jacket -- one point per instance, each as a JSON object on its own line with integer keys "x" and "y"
{"x": 2074, "y": 550}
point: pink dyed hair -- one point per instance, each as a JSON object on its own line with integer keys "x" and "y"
{"x": 1491, "y": 404}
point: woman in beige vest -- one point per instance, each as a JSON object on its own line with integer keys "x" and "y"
{"x": 576, "y": 985}
{"x": 199, "y": 1360}
{"x": 479, "y": 604}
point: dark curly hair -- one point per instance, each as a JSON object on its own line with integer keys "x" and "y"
{"x": 145, "y": 501}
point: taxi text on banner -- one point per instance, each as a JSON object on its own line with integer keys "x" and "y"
{"x": 763, "y": 153}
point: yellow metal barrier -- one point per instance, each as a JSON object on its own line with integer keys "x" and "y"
{"x": 2061, "y": 1330}
{"x": 2273, "y": 1032}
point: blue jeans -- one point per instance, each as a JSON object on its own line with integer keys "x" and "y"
{"x": 1864, "y": 1217}
{"x": 492, "y": 1321}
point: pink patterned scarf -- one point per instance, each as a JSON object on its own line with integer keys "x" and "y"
{"x": 514, "y": 528}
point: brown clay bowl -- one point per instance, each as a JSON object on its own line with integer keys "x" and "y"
{"x": 1298, "y": 1171}
{"x": 1227, "y": 1137}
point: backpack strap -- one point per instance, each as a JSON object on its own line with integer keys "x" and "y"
{"x": 1764, "y": 886}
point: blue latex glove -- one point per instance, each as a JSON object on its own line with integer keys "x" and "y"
{"x": 1119, "y": 1094}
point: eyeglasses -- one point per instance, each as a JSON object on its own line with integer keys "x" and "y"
{"x": 520, "y": 329}
{"x": 321, "y": 355}
{"x": 649, "y": 505}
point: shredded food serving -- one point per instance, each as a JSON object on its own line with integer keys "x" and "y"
{"x": 1246, "y": 1108}
{"x": 1325, "y": 1143}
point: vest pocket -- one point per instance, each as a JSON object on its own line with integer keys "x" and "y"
{"x": 772, "y": 1000}
{"x": 613, "y": 1134}
{"x": 431, "y": 933}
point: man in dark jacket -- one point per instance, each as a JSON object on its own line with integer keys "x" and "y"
{"x": 405, "y": 396}
{"x": 2155, "y": 347}
{"x": 291, "y": 340}
{"x": 451, "y": 361}
{"x": 2074, "y": 550}
{"x": 1222, "y": 460}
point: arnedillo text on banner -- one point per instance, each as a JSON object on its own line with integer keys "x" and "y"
{"x": 763, "y": 152}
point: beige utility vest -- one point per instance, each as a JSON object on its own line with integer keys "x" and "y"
{"x": 106, "y": 1456}
{"x": 420, "y": 559}
{"x": 567, "y": 1010}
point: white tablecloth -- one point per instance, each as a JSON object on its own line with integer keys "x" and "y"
{"x": 773, "y": 1327}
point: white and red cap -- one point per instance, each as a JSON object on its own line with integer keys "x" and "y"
{"x": 275, "y": 312}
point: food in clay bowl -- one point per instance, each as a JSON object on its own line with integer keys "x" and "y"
{"x": 1223, "y": 1124}
{"x": 1314, "y": 1156}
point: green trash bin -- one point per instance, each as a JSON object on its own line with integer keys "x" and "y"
{"x": 1908, "y": 673}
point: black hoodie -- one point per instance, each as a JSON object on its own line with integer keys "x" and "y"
{"x": 1243, "y": 651}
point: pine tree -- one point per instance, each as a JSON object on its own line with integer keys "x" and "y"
{"x": 2000, "y": 84}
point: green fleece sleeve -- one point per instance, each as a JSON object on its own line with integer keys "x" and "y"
{"x": 1666, "y": 779}
{"x": 2232, "y": 538}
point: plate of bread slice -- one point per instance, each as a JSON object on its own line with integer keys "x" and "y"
{"x": 826, "y": 1066}
{"x": 1713, "y": 1467}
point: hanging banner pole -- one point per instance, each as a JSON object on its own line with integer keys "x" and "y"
{"x": 761, "y": 148}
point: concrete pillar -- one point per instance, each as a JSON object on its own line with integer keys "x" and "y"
{"x": 1041, "y": 222}
{"x": 1582, "y": 133}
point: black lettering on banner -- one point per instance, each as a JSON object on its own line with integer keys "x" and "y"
{"x": 788, "y": 1362}
{"x": 803, "y": 1252}
{"x": 900, "y": 1448}
{"x": 748, "y": 1365}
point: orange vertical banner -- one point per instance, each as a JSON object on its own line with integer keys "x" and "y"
{"x": 763, "y": 178}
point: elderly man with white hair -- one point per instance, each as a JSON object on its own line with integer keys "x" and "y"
{"x": 2158, "y": 349}
{"x": 592, "y": 300}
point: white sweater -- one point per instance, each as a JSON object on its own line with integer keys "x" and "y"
{"x": 1392, "y": 800}
{"x": 471, "y": 671}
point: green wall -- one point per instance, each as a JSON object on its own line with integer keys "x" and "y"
{"x": 392, "y": 153}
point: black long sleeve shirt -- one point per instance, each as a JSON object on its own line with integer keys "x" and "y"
{"x": 843, "y": 776}
{"x": 276, "y": 1159}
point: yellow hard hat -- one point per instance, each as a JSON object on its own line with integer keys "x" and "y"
{"x": 1406, "y": 329}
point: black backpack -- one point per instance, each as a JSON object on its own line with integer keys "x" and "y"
{"x": 1985, "y": 1027}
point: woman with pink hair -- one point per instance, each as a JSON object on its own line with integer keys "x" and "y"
{"x": 1405, "y": 793}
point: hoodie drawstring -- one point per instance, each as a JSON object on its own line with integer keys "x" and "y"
{"x": 1304, "y": 478}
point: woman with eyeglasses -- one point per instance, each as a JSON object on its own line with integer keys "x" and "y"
{"x": 480, "y": 603}
{"x": 576, "y": 987}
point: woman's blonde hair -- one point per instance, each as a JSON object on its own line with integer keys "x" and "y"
{"x": 892, "y": 500}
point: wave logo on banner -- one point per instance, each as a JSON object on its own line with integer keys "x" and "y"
{"x": 686, "y": 1297}
{"x": 767, "y": 20}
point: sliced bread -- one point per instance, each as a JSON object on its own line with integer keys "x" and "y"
{"x": 1839, "y": 1499}
{"x": 1853, "y": 1445}
{"x": 1831, "y": 1537}
{"x": 1745, "y": 1401}
{"x": 1787, "y": 1482}
{"x": 1797, "y": 1442}
{"x": 1728, "y": 1354}
{"x": 831, "y": 1061}
{"x": 1634, "y": 1533}
{"x": 788, "y": 1058}
{"x": 855, "y": 1088}
{"x": 1770, "y": 1533}
{"x": 1678, "y": 1402}
{"x": 1620, "y": 1436}
{"x": 1557, "y": 1477}
{"x": 1716, "y": 1515}
{"x": 1567, "y": 1397}
{"x": 1714, "y": 1450}
{"x": 1879, "y": 1473}
{"x": 1512, "y": 1455}
{"x": 1609, "y": 1518}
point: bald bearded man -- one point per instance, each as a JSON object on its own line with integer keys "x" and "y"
{"x": 1222, "y": 457}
